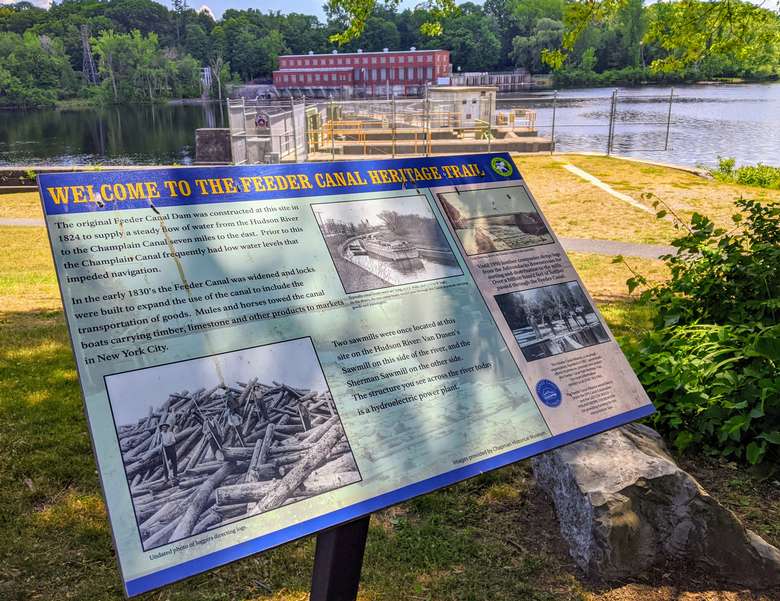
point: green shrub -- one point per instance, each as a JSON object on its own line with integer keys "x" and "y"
{"x": 763, "y": 176}
{"x": 716, "y": 388}
{"x": 710, "y": 364}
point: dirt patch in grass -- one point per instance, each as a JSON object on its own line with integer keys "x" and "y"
{"x": 756, "y": 501}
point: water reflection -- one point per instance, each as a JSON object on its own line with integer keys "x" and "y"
{"x": 140, "y": 134}
{"x": 707, "y": 121}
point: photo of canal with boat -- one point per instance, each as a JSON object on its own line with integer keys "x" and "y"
{"x": 385, "y": 242}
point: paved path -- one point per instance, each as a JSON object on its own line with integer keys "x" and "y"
{"x": 20, "y": 221}
{"x": 581, "y": 173}
{"x": 613, "y": 248}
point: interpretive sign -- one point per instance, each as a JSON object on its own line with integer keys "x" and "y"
{"x": 269, "y": 351}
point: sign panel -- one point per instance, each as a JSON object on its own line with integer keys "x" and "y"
{"x": 266, "y": 352}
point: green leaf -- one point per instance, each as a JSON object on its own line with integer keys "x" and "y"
{"x": 771, "y": 437}
{"x": 683, "y": 440}
{"x": 755, "y": 452}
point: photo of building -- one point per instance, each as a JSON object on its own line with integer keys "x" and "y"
{"x": 361, "y": 74}
{"x": 551, "y": 320}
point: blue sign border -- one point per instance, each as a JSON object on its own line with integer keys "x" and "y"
{"x": 346, "y": 514}
{"x": 310, "y": 170}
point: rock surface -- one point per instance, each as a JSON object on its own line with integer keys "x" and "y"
{"x": 625, "y": 506}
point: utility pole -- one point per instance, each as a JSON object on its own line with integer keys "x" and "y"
{"x": 88, "y": 66}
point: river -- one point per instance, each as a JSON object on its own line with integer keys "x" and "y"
{"x": 115, "y": 135}
{"x": 707, "y": 121}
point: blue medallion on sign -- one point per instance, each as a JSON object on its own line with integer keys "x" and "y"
{"x": 548, "y": 393}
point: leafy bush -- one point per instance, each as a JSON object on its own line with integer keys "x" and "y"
{"x": 716, "y": 388}
{"x": 763, "y": 176}
{"x": 711, "y": 362}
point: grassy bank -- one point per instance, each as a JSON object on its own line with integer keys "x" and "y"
{"x": 494, "y": 537}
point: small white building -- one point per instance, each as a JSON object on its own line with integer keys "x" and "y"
{"x": 472, "y": 105}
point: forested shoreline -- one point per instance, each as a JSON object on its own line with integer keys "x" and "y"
{"x": 144, "y": 52}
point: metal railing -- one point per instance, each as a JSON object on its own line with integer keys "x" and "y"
{"x": 615, "y": 120}
{"x": 297, "y": 130}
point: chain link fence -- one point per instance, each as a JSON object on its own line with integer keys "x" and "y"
{"x": 295, "y": 130}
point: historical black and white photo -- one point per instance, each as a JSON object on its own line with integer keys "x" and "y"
{"x": 213, "y": 440}
{"x": 551, "y": 320}
{"x": 385, "y": 242}
{"x": 492, "y": 220}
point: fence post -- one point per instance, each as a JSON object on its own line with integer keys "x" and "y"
{"x": 427, "y": 123}
{"x": 611, "y": 121}
{"x": 552, "y": 135}
{"x": 332, "y": 114}
{"x": 393, "y": 117}
{"x": 305, "y": 130}
{"x": 669, "y": 119}
{"x": 294, "y": 129}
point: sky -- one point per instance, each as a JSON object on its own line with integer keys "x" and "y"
{"x": 307, "y": 7}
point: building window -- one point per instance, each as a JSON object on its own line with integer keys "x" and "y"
{"x": 430, "y": 73}
{"x": 401, "y": 74}
{"x": 410, "y": 72}
{"x": 383, "y": 75}
{"x": 373, "y": 74}
{"x": 419, "y": 73}
{"x": 392, "y": 60}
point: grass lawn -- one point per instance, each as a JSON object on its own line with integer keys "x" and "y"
{"x": 577, "y": 209}
{"x": 493, "y": 538}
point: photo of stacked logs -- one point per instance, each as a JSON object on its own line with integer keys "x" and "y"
{"x": 207, "y": 458}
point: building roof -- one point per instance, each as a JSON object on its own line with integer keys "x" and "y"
{"x": 331, "y": 54}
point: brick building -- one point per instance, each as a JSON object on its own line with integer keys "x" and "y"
{"x": 359, "y": 74}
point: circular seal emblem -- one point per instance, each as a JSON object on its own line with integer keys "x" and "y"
{"x": 548, "y": 393}
{"x": 501, "y": 166}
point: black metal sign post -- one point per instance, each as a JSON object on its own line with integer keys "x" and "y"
{"x": 338, "y": 560}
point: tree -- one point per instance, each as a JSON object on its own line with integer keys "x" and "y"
{"x": 34, "y": 71}
{"x": 470, "y": 36}
{"x": 134, "y": 68}
{"x": 217, "y": 65}
{"x": 527, "y": 50}
{"x": 691, "y": 31}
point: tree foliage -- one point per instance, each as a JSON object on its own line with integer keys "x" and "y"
{"x": 600, "y": 42}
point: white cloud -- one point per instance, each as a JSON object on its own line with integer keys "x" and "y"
{"x": 204, "y": 8}
{"x": 38, "y": 3}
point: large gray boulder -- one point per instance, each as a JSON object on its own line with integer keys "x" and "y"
{"x": 625, "y": 506}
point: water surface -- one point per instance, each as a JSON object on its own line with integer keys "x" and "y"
{"x": 116, "y": 135}
{"x": 707, "y": 121}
